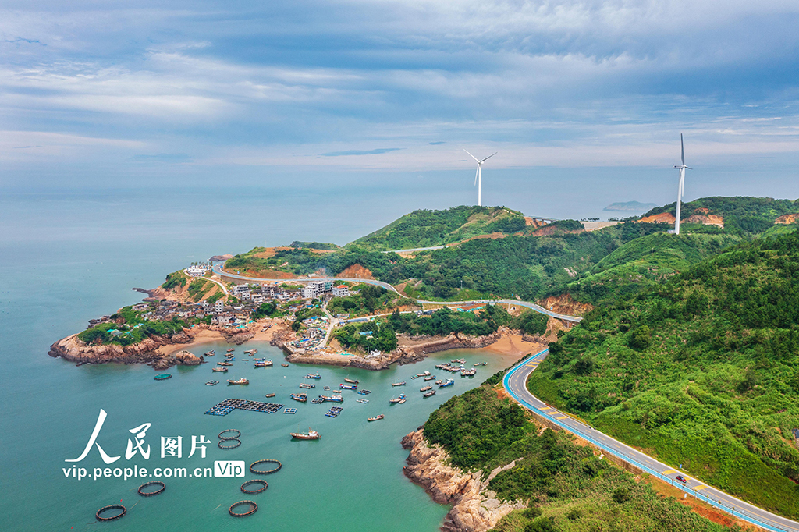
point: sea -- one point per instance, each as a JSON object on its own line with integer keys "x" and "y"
{"x": 67, "y": 256}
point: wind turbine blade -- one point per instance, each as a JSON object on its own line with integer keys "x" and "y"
{"x": 487, "y": 158}
{"x": 682, "y": 150}
{"x": 475, "y": 176}
{"x": 472, "y": 156}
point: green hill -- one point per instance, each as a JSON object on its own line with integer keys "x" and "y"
{"x": 701, "y": 369}
{"x": 425, "y": 228}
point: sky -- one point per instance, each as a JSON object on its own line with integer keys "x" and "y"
{"x": 584, "y": 99}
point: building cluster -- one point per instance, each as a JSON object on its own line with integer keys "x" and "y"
{"x": 198, "y": 269}
{"x": 314, "y": 335}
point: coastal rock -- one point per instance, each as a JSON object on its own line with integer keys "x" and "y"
{"x": 187, "y": 359}
{"x": 238, "y": 337}
{"x": 475, "y": 508}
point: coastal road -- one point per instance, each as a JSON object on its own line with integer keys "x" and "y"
{"x": 538, "y": 308}
{"x": 515, "y": 382}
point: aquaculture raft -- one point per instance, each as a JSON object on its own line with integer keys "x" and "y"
{"x": 228, "y": 443}
{"x": 151, "y": 493}
{"x": 252, "y": 510}
{"x": 223, "y": 435}
{"x": 265, "y": 461}
{"x": 246, "y": 486}
{"x": 110, "y": 507}
{"x": 229, "y": 405}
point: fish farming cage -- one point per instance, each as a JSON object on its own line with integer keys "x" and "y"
{"x": 290, "y": 411}
{"x": 247, "y": 486}
{"x": 229, "y": 405}
{"x": 254, "y": 468}
{"x": 159, "y": 488}
{"x": 228, "y": 434}
{"x": 111, "y": 512}
{"x": 234, "y": 508}
{"x": 229, "y": 443}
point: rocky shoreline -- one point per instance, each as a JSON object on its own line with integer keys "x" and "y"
{"x": 150, "y": 351}
{"x": 475, "y": 508}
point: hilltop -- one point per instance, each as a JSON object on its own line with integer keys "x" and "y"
{"x": 425, "y": 228}
{"x": 700, "y": 369}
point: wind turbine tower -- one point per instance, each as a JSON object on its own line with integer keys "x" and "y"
{"x": 478, "y": 177}
{"x": 681, "y": 187}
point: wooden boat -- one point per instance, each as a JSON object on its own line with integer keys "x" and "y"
{"x": 313, "y": 376}
{"x": 251, "y": 351}
{"x": 347, "y": 386}
{"x": 438, "y": 383}
{"x": 285, "y": 365}
{"x": 363, "y": 401}
{"x": 431, "y": 393}
{"x": 163, "y": 376}
{"x": 449, "y": 382}
{"x": 268, "y": 363}
{"x": 458, "y": 361}
{"x": 303, "y": 385}
{"x": 260, "y": 364}
{"x": 220, "y": 369}
{"x": 310, "y": 435}
{"x": 396, "y": 400}
{"x": 480, "y": 364}
{"x": 399, "y": 383}
{"x": 240, "y": 381}
{"x": 430, "y": 377}
{"x": 377, "y": 418}
{"x": 351, "y": 381}
{"x": 212, "y": 383}
{"x": 269, "y": 395}
{"x": 425, "y": 388}
{"x": 364, "y": 392}
{"x": 224, "y": 363}
{"x": 210, "y": 353}
{"x": 301, "y": 397}
{"x": 230, "y": 350}
{"x": 468, "y": 373}
{"x": 425, "y": 374}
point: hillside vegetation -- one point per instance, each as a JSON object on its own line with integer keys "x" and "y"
{"x": 425, "y": 228}
{"x": 701, "y": 370}
{"x": 566, "y": 487}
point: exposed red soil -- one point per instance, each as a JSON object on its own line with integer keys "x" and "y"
{"x": 566, "y": 304}
{"x": 786, "y": 219}
{"x": 663, "y": 217}
{"x": 357, "y": 271}
{"x": 552, "y": 229}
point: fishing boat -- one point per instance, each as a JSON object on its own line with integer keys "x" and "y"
{"x": 212, "y": 383}
{"x": 395, "y": 400}
{"x": 425, "y": 374}
{"x": 377, "y": 418}
{"x": 285, "y": 365}
{"x": 438, "y": 383}
{"x": 210, "y": 353}
{"x": 251, "y": 351}
{"x": 351, "y": 381}
{"x": 449, "y": 382}
{"x": 260, "y": 364}
{"x": 301, "y": 397}
{"x": 303, "y": 385}
{"x": 230, "y": 350}
{"x": 313, "y": 376}
{"x": 430, "y": 377}
{"x": 224, "y": 363}
{"x": 431, "y": 393}
{"x": 310, "y": 435}
{"x": 334, "y": 398}
{"x": 347, "y": 386}
{"x": 458, "y": 361}
{"x": 230, "y": 357}
{"x": 269, "y": 395}
{"x": 440, "y": 366}
{"x": 403, "y": 383}
{"x": 240, "y": 381}
{"x": 268, "y": 363}
{"x": 480, "y": 364}
{"x": 425, "y": 388}
{"x": 364, "y": 392}
{"x": 468, "y": 372}
{"x": 163, "y": 376}
{"x": 220, "y": 369}
{"x": 363, "y": 401}
{"x": 402, "y": 400}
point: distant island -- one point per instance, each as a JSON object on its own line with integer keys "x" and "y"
{"x": 629, "y": 206}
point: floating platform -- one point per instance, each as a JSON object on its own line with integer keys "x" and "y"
{"x": 229, "y": 405}
{"x": 290, "y": 411}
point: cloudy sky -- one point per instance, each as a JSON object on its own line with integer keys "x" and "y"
{"x": 172, "y": 92}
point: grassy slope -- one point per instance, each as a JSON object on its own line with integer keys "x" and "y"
{"x": 566, "y": 487}
{"x": 434, "y": 228}
{"x": 702, "y": 370}
{"x": 741, "y": 214}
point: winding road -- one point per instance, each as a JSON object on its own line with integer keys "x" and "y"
{"x": 515, "y": 382}
{"x": 526, "y": 304}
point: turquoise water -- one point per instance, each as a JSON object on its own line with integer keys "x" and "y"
{"x": 68, "y": 259}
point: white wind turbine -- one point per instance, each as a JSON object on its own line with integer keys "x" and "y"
{"x": 681, "y": 188}
{"x": 478, "y": 177}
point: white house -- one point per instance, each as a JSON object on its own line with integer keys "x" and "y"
{"x": 341, "y": 291}
{"x": 219, "y": 306}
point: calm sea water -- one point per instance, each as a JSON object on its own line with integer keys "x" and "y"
{"x": 69, "y": 257}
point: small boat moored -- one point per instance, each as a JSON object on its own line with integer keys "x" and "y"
{"x": 377, "y": 418}
{"x": 347, "y": 386}
{"x": 426, "y": 388}
{"x": 431, "y": 393}
{"x": 313, "y": 376}
{"x": 402, "y": 383}
{"x": 163, "y": 376}
{"x": 351, "y": 381}
{"x": 397, "y": 400}
{"x": 449, "y": 382}
{"x": 303, "y": 385}
{"x": 269, "y": 395}
{"x": 240, "y": 381}
{"x": 310, "y": 435}
{"x": 301, "y": 397}
{"x": 219, "y": 368}
{"x": 364, "y": 392}
{"x": 210, "y": 353}
{"x": 430, "y": 377}
{"x": 212, "y": 383}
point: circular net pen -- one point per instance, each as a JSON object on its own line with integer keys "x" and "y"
{"x": 154, "y": 487}
{"x": 258, "y": 471}
{"x": 250, "y": 488}
{"x": 238, "y": 509}
{"x": 229, "y": 443}
{"x": 229, "y": 434}
{"x": 110, "y": 512}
